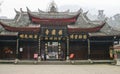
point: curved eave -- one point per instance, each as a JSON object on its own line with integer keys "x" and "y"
{"x": 20, "y": 29}
{"x": 37, "y": 19}
{"x": 93, "y": 29}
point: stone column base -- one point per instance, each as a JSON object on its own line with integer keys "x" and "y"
{"x": 67, "y": 59}
{"x": 39, "y": 58}
{"x": 16, "y": 61}
{"x": 118, "y": 62}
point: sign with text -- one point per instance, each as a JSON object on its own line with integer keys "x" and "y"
{"x": 53, "y": 38}
{"x": 53, "y": 31}
{"x": 28, "y": 36}
{"x": 78, "y": 36}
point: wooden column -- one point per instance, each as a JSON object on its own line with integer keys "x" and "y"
{"x": 67, "y": 58}
{"x": 88, "y": 49}
{"x": 17, "y": 48}
{"x": 39, "y": 52}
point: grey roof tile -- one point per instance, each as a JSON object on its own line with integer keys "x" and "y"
{"x": 22, "y": 19}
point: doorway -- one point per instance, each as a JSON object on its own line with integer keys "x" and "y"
{"x": 52, "y": 51}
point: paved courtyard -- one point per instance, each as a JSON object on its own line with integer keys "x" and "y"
{"x": 59, "y": 69}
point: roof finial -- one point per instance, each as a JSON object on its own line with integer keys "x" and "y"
{"x": 28, "y": 10}
{"x": 86, "y": 12}
{"x": 52, "y": 7}
{"x": 21, "y": 10}
{"x": 16, "y": 11}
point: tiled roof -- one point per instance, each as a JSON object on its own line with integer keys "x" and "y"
{"x": 22, "y": 19}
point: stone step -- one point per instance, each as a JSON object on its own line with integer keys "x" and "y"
{"x": 56, "y": 62}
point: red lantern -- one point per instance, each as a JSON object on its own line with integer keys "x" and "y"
{"x": 72, "y": 56}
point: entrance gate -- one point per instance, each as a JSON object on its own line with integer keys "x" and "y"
{"x": 53, "y": 50}
{"x": 52, "y": 42}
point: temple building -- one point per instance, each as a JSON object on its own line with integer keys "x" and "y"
{"x": 54, "y": 35}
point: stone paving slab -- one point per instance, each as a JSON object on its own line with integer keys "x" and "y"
{"x": 59, "y": 69}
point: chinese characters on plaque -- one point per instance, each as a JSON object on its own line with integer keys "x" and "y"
{"x": 53, "y": 32}
{"x": 28, "y": 36}
{"x": 78, "y": 36}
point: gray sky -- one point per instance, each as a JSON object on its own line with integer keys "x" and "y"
{"x": 111, "y": 7}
